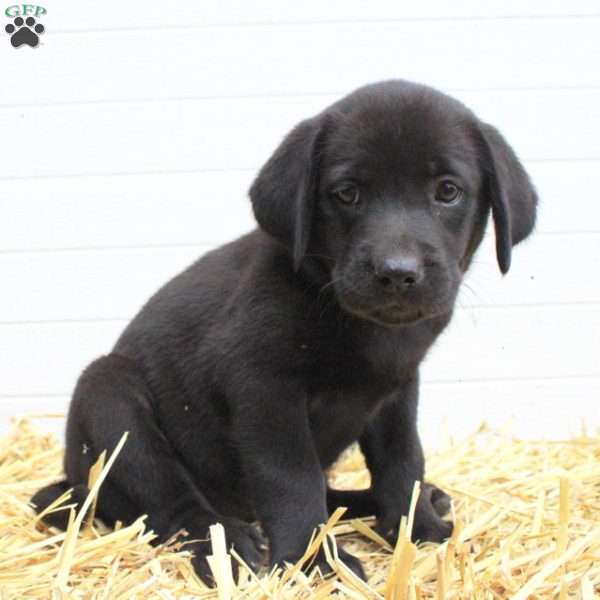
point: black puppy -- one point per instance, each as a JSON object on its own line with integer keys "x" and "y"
{"x": 244, "y": 377}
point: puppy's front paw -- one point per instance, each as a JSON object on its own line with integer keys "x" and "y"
{"x": 440, "y": 501}
{"x": 248, "y": 542}
{"x": 320, "y": 562}
{"x": 428, "y": 526}
{"x": 244, "y": 537}
{"x": 431, "y": 528}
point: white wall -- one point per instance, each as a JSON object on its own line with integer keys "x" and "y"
{"x": 130, "y": 135}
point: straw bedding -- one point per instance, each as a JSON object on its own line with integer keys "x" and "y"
{"x": 527, "y": 526}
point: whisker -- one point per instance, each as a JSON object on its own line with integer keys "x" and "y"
{"x": 320, "y": 256}
{"x": 478, "y": 297}
{"x": 329, "y": 301}
{"x": 330, "y": 283}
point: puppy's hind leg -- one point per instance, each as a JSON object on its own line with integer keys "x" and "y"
{"x": 46, "y": 496}
{"x": 359, "y": 503}
{"x": 112, "y": 397}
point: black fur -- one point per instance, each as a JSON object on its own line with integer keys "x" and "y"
{"x": 244, "y": 377}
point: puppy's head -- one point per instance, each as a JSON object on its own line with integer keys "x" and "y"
{"x": 390, "y": 190}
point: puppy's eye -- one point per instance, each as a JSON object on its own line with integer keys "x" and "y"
{"x": 348, "y": 195}
{"x": 447, "y": 191}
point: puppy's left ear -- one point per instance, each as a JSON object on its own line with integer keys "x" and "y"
{"x": 512, "y": 196}
{"x": 284, "y": 193}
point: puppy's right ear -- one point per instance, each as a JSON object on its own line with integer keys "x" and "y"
{"x": 284, "y": 193}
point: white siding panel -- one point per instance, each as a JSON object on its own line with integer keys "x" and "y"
{"x": 89, "y": 284}
{"x": 568, "y": 198}
{"x": 149, "y": 137}
{"x": 41, "y": 359}
{"x": 115, "y": 14}
{"x": 113, "y": 284}
{"x": 301, "y": 59}
{"x": 212, "y": 207}
{"x": 119, "y": 211}
{"x": 517, "y": 343}
{"x": 481, "y": 344}
{"x": 241, "y": 134}
{"x": 542, "y": 409}
{"x": 545, "y": 269}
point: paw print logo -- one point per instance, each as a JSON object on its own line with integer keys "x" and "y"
{"x": 24, "y": 32}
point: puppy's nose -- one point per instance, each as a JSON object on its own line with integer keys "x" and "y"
{"x": 403, "y": 272}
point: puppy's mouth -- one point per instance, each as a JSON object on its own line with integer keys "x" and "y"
{"x": 396, "y": 316}
{"x": 397, "y": 312}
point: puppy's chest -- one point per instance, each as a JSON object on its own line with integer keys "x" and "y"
{"x": 349, "y": 378}
{"x": 349, "y": 362}
{"x": 337, "y": 418}
{"x": 341, "y": 399}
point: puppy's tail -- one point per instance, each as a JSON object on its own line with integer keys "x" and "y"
{"x": 46, "y": 496}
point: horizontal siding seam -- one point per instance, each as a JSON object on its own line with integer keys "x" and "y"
{"x": 207, "y": 245}
{"x": 333, "y": 22}
{"x": 483, "y": 308}
{"x": 285, "y": 96}
{"x": 253, "y": 169}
